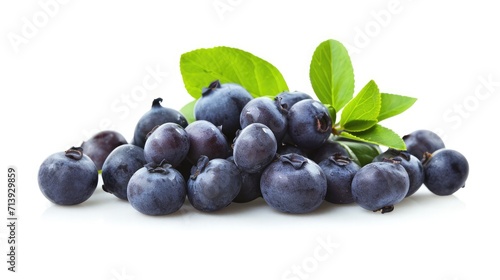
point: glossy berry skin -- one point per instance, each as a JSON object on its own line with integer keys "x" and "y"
{"x": 293, "y": 184}
{"x": 250, "y": 186}
{"x": 221, "y": 104}
{"x": 68, "y": 178}
{"x": 446, "y": 171}
{"x": 339, "y": 171}
{"x": 206, "y": 139}
{"x": 156, "y": 190}
{"x": 410, "y": 163}
{"x": 254, "y": 148}
{"x": 309, "y": 124}
{"x": 158, "y": 115}
{"x": 213, "y": 184}
{"x": 422, "y": 141}
{"x": 288, "y": 99}
{"x": 169, "y": 142}
{"x": 99, "y": 146}
{"x": 268, "y": 112}
{"x": 328, "y": 149}
{"x": 119, "y": 167}
{"x": 380, "y": 185}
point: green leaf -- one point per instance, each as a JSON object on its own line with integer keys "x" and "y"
{"x": 377, "y": 135}
{"x": 359, "y": 125}
{"x": 229, "y": 65}
{"x": 393, "y": 104}
{"x": 188, "y": 111}
{"x": 331, "y": 74}
{"x": 360, "y": 152}
{"x": 365, "y": 106}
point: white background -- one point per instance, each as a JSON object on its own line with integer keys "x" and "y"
{"x": 71, "y": 76}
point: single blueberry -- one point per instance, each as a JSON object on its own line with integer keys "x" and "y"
{"x": 380, "y": 185}
{"x": 254, "y": 148}
{"x": 68, "y": 178}
{"x": 293, "y": 184}
{"x": 339, "y": 171}
{"x": 446, "y": 171}
{"x": 309, "y": 124}
{"x": 422, "y": 141}
{"x": 156, "y": 189}
{"x": 119, "y": 167}
{"x": 213, "y": 184}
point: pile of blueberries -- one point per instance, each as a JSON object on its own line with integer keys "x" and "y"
{"x": 241, "y": 148}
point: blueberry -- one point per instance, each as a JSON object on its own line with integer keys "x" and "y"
{"x": 328, "y": 149}
{"x": 288, "y": 99}
{"x": 119, "y": 167}
{"x": 158, "y": 115}
{"x": 206, "y": 139}
{"x": 309, "y": 124}
{"x": 380, "y": 185}
{"x": 156, "y": 189}
{"x": 100, "y": 145}
{"x": 422, "y": 141}
{"x": 68, "y": 178}
{"x": 411, "y": 164}
{"x": 213, "y": 184}
{"x": 268, "y": 112}
{"x": 169, "y": 142}
{"x": 293, "y": 184}
{"x": 250, "y": 186}
{"x": 221, "y": 104}
{"x": 254, "y": 148}
{"x": 446, "y": 171}
{"x": 339, "y": 171}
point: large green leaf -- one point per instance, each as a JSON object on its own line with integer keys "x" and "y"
{"x": 393, "y": 104}
{"x": 202, "y": 66}
{"x": 364, "y": 106}
{"x": 377, "y": 135}
{"x": 331, "y": 74}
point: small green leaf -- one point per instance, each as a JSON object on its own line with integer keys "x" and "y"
{"x": 188, "y": 111}
{"x": 393, "y": 104}
{"x": 229, "y": 65}
{"x": 332, "y": 112}
{"x": 360, "y": 152}
{"x": 331, "y": 74}
{"x": 365, "y": 106}
{"x": 377, "y": 135}
{"x": 359, "y": 125}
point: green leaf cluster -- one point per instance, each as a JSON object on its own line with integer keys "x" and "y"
{"x": 332, "y": 78}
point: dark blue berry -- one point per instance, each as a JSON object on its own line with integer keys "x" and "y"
{"x": 339, "y": 171}
{"x": 411, "y": 164}
{"x": 206, "y": 139}
{"x": 328, "y": 149}
{"x": 119, "y": 167}
{"x": 288, "y": 99}
{"x": 380, "y": 185}
{"x": 68, "y": 178}
{"x": 309, "y": 124}
{"x": 168, "y": 142}
{"x": 446, "y": 171}
{"x": 158, "y": 115}
{"x": 293, "y": 184}
{"x": 221, "y": 104}
{"x": 254, "y": 148}
{"x": 268, "y": 112}
{"x": 99, "y": 146}
{"x": 213, "y": 184}
{"x": 422, "y": 141}
{"x": 156, "y": 189}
